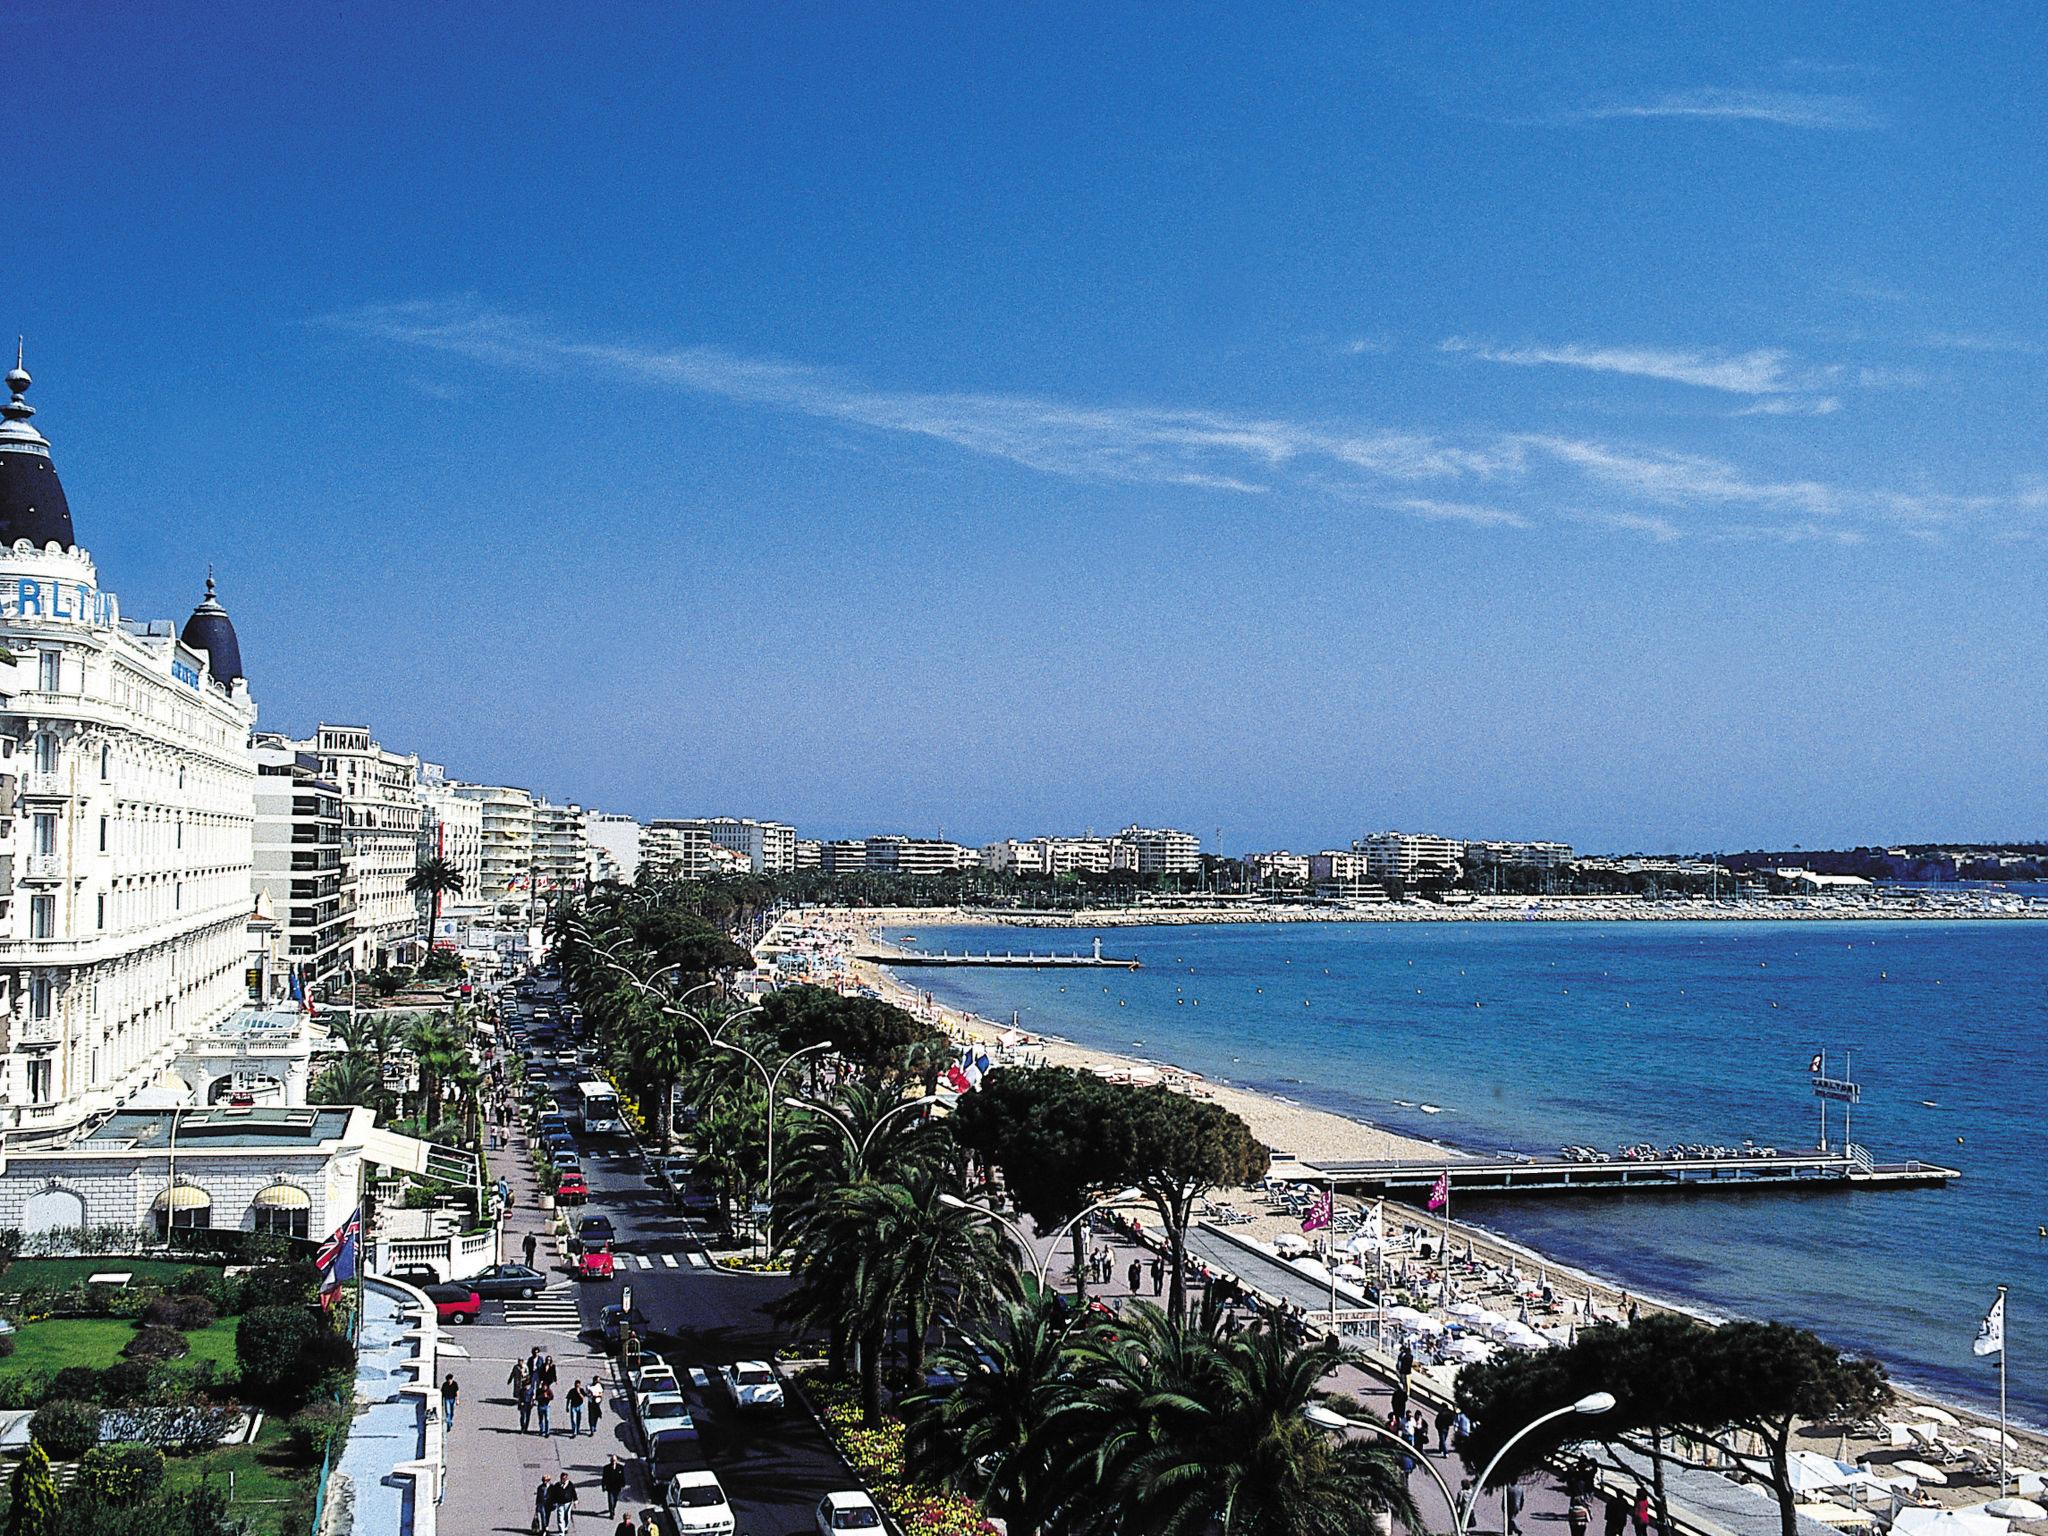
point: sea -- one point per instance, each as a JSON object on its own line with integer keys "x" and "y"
{"x": 1526, "y": 1037}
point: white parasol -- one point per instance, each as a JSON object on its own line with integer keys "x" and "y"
{"x": 1994, "y": 1435}
{"x": 2016, "y": 1509}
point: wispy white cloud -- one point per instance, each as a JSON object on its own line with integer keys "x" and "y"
{"x": 1978, "y": 341}
{"x": 1487, "y": 479}
{"x": 1765, "y": 371}
{"x": 1459, "y": 512}
{"x": 1793, "y": 405}
{"x": 1784, "y": 109}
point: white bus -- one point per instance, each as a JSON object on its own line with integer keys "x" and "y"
{"x": 599, "y": 1107}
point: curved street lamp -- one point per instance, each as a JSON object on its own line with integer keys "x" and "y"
{"x": 772, "y": 1079}
{"x": 1328, "y": 1418}
{"x": 1058, "y": 1232}
{"x": 860, "y": 1146}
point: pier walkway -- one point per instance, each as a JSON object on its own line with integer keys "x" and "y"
{"x": 1095, "y": 959}
{"x": 1413, "y": 1179}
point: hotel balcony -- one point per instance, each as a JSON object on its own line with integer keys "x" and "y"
{"x": 45, "y": 786}
{"x": 42, "y": 866}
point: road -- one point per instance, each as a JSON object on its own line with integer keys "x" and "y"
{"x": 776, "y": 1466}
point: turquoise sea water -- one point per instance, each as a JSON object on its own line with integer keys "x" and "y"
{"x": 1532, "y": 1035}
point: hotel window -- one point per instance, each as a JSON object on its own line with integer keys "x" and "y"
{"x": 46, "y": 833}
{"x": 41, "y": 1080}
{"x": 103, "y": 834}
{"x": 52, "y": 676}
{"x": 46, "y": 752}
{"x": 179, "y": 897}
{"x": 40, "y": 997}
{"x": 42, "y": 917}
{"x": 106, "y": 763}
{"x": 103, "y": 911}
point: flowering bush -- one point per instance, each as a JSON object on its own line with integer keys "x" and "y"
{"x": 876, "y": 1456}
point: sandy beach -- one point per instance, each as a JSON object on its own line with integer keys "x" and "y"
{"x": 1294, "y": 1129}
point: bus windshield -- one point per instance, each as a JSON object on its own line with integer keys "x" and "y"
{"x": 600, "y": 1107}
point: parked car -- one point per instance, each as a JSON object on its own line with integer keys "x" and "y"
{"x": 696, "y": 1504}
{"x": 653, "y": 1380}
{"x": 455, "y": 1303}
{"x": 613, "y": 1321}
{"x": 664, "y": 1411}
{"x": 751, "y": 1384}
{"x": 571, "y": 1190}
{"x": 593, "y": 1231}
{"x": 508, "y": 1280}
{"x": 421, "y": 1275}
{"x": 596, "y": 1264}
{"x": 565, "y": 1159}
{"x": 849, "y": 1511}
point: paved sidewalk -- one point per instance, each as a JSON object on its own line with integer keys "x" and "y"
{"x": 492, "y": 1468}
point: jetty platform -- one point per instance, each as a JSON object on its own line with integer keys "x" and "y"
{"x": 1411, "y": 1181}
{"x": 1092, "y": 959}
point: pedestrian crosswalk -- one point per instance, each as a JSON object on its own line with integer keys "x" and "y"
{"x": 656, "y": 1261}
{"x": 554, "y": 1307}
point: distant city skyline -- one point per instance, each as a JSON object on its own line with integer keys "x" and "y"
{"x": 1623, "y": 430}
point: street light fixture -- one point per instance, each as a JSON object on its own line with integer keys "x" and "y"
{"x": 772, "y": 1078}
{"x": 860, "y": 1147}
{"x": 1592, "y": 1404}
{"x": 1058, "y": 1232}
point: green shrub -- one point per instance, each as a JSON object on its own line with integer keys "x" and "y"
{"x": 121, "y": 1474}
{"x": 25, "y": 1388}
{"x": 313, "y": 1426}
{"x": 66, "y": 1428}
{"x": 279, "y": 1285}
{"x": 287, "y": 1354}
{"x": 156, "y": 1344}
{"x": 33, "y": 1509}
{"x": 182, "y": 1312}
{"x": 128, "y": 1382}
{"x": 81, "y": 1383}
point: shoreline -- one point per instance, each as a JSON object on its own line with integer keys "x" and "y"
{"x": 1289, "y": 1126}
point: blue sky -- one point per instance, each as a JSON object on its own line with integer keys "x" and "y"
{"x": 1622, "y": 425}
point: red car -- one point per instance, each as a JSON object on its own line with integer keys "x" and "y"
{"x": 595, "y": 1264}
{"x": 455, "y": 1303}
{"x": 571, "y": 1190}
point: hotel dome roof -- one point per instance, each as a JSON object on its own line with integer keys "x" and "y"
{"x": 212, "y": 631}
{"x": 32, "y": 504}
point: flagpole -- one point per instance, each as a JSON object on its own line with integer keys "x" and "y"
{"x": 1447, "y": 1236}
{"x": 2003, "y": 1438}
{"x": 1330, "y": 1250}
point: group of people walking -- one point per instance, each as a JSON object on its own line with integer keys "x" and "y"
{"x": 533, "y": 1383}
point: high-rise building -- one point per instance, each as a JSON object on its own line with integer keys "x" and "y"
{"x": 1162, "y": 850}
{"x": 810, "y": 853}
{"x": 559, "y": 851}
{"x": 380, "y": 809}
{"x": 918, "y": 856}
{"x": 452, "y": 830}
{"x": 843, "y": 856}
{"x": 1277, "y": 869}
{"x": 505, "y": 855}
{"x": 300, "y": 872}
{"x": 1403, "y": 855}
{"x": 614, "y": 847}
{"x": 769, "y": 847}
{"x": 125, "y": 766}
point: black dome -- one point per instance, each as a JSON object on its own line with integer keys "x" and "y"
{"x": 32, "y": 504}
{"x": 212, "y": 631}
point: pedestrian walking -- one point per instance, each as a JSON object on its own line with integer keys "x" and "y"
{"x": 647, "y": 1525}
{"x": 1134, "y": 1277}
{"x": 1578, "y": 1516}
{"x": 613, "y": 1481}
{"x": 451, "y": 1392}
{"x": 1421, "y": 1430}
{"x": 1614, "y": 1516}
{"x": 593, "y": 1405}
{"x": 1641, "y": 1513}
{"x": 626, "y": 1527}
{"x": 575, "y": 1402}
{"x": 1515, "y": 1499}
{"x": 1158, "y": 1275}
{"x": 541, "y": 1504}
{"x": 522, "y": 1398}
{"x": 562, "y": 1502}
{"x": 1461, "y": 1429}
{"x": 530, "y": 1246}
{"x": 1399, "y": 1404}
{"x": 517, "y": 1377}
{"x": 547, "y": 1367}
{"x": 543, "y": 1400}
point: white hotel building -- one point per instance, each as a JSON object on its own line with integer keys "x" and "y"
{"x": 127, "y": 898}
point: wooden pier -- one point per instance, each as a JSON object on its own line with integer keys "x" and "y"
{"x": 1412, "y": 1181}
{"x": 1095, "y": 959}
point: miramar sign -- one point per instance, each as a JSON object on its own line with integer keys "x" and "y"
{"x": 31, "y": 597}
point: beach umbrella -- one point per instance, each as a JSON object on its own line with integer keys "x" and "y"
{"x": 1809, "y": 1470}
{"x": 1923, "y": 1472}
{"x": 1470, "y": 1310}
{"x": 1994, "y": 1434}
{"x": 1413, "y": 1321}
{"x": 1927, "y": 1412}
{"x": 1468, "y": 1349}
{"x": 2016, "y": 1509}
{"x": 1947, "y": 1522}
{"x": 1351, "y": 1272}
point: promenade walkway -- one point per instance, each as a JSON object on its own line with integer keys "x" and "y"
{"x": 492, "y": 1468}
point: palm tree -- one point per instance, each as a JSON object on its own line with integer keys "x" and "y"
{"x": 436, "y": 1053}
{"x": 1000, "y": 1432}
{"x": 823, "y": 1154}
{"x": 351, "y": 1080}
{"x": 945, "y": 1253}
{"x": 434, "y": 878}
{"x": 1189, "y": 1434}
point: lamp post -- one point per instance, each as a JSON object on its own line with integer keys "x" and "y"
{"x": 1328, "y": 1418}
{"x": 860, "y": 1146}
{"x": 1058, "y": 1232}
{"x": 772, "y": 1079}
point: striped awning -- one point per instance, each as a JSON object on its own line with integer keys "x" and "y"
{"x": 283, "y": 1197}
{"x": 186, "y": 1197}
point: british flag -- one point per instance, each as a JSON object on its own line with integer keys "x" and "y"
{"x": 337, "y": 1256}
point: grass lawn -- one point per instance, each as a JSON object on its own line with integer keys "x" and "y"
{"x": 60, "y": 1273}
{"x": 273, "y": 1492}
{"x": 56, "y": 1342}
